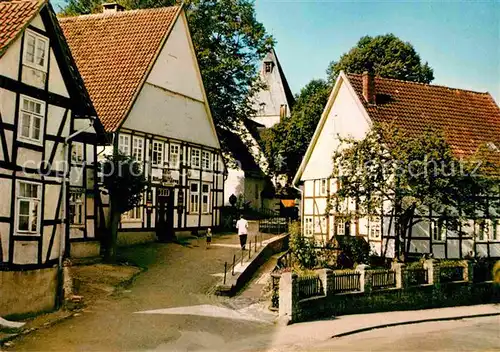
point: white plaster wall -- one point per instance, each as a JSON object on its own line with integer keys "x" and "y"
{"x": 9, "y": 62}
{"x": 38, "y": 23}
{"x": 273, "y": 96}
{"x": 5, "y": 187}
{"x": 25, "y": 252}
{"x": 345, "y": 119}
{"x": 56, "y": 82}
{"x": 175, "y": 69}
{"x": 167, "y": 114}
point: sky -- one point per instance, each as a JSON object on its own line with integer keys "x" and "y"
{"x": 459, "y": 40}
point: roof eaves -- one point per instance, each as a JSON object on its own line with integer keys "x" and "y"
{"x": 3, "y": 50}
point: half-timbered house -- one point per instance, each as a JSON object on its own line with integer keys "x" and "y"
{"x": 468, "y": 120}
{"x": 48, "y": 136}
{"x": 142, "y": 74}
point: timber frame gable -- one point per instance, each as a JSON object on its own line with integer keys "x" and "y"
{"x": 42, "y": 101}
{"x": 348, "y": 112}
{"x": 162, "y": 118}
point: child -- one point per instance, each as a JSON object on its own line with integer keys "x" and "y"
{"x": 209, "y": 237}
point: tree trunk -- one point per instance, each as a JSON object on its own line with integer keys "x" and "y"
{"x": 110, "y": 256}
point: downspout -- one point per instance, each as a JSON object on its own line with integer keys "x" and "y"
{"x": 62, "y": 233}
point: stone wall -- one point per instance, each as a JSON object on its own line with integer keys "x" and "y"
{"x": 27, "y": 292}
{"x": 401, "y": 296}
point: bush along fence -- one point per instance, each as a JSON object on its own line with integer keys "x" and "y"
{"x": 363, "y": 290}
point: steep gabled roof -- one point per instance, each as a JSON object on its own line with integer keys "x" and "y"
{"x": 468, "y": 119}
{"x": 115, "y": 52}
{"x": 14, "y": 17}
{"x": 286, "y": 87}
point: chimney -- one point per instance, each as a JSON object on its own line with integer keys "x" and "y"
{"x": 112, "y": 7}
{"x": 369, "y": 87}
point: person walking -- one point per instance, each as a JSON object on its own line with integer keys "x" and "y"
{"x": 242, "y": 226}
{"x": 209, "y": 237}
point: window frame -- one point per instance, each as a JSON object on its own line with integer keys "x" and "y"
{"x": 208, "y": 159}
{"x": 439, "y": 226}
{"x": 194, "y": 195}
{"x": 377, "y": 226}
{"x": 207, "y": 195}
{"x": 32, "y": 115}
{"x": 177, "y": 155}
{"x": 80, "y": 204}
{"x": 323, "y": 187}
{"x": 38, "y": 38}
{"x": 308, "y": 226}
{"x": 31, "y": 200}
{"x": 159, "y": 153}
{"x": 197, "y": 158}
{"x": 77, "y": 157}
{"x": 340, "y": 225}
{"x": 122, "y": 145}
{"x": 136, "y": 148}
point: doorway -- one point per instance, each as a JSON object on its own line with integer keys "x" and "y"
{"x": 165, "y": 214}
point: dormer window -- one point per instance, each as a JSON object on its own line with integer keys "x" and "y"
{"x": 36, "y": 49}
{"x": 268, "y": 66}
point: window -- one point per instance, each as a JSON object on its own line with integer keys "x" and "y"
{"x": 323, "y": 187}
{"x": 36, "y": 50}
{"x": 205, "y": 198}
{"x": 482, "y": 228}
{"x": 138, "y": 148}
{"x": 283, "y": 109}
{"x": 195, "y": 157}
{"x": 340, "y": 227}
{"x": 495, "y": 229}
{"x": 174, "y": 156}
{"x": 439, "y": 230}
{"x": 194, "y": 198}
{"x": 124, "y": 144}
{"x": 268, "y": 66}
{"x": 206, "y": 162}
{"x": 76, "y": 208}
{"x": 28, "y": 207}
{"x": 157, "y": 153}
{"x": 77, "y": 152}
{"x": 32, "y": 113}
{"x": 374, "y": 231}
{"x": 308, "y": 226}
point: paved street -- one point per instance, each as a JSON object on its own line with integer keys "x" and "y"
{"x": 178, "y": 276}
{"x": 476, "y": 334}
{"x": 170, "y": 308}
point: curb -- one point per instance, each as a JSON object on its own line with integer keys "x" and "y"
{"x": 382, "y": 326}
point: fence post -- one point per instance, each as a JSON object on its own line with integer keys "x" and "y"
{"x": 468, "y": 270}
{"x": 234, "y": 263}
{"x": 288, "y": 298}
{"x": 363, "y": 279}
{"x": 433, "y": 272}
{"x": 225, "y": 271}
{"x": 399, "y": 269}
{"x": 326, "y": 277}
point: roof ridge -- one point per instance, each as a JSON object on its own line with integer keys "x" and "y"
{"x": 116, "y": 14}
{"x": 423, "y": 84}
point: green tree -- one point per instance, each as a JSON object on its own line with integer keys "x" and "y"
{"x": 385, "y": 55}
{"x": 124, "y": 183}
{"x": 286, "y": 143}
{"x": 409, "y": 174}
{"x": 229, "y": 42}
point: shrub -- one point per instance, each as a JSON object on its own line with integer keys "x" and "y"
{"x": 302, "y": 248}
{"x": 354, "y": 250}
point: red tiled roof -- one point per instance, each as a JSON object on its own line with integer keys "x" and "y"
{"x": 468, "y": 119}
{"x": 114, "y": 53}
{"x": 14, "y": 17}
